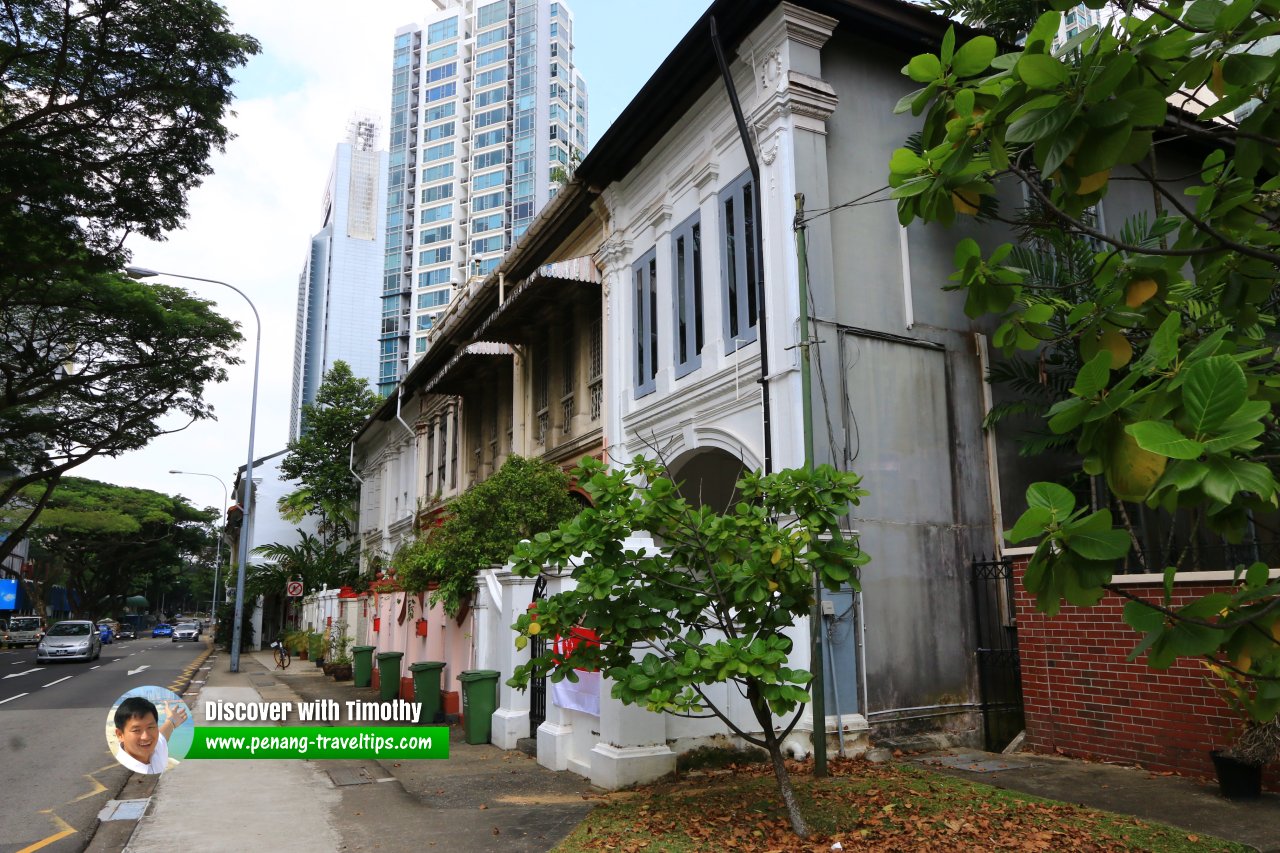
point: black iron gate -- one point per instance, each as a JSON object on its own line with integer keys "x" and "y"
{"x": 999, "y": 668}
{"x": 538, "y": 686}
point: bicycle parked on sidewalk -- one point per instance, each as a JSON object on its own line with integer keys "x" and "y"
{"x": 280, "y": 653}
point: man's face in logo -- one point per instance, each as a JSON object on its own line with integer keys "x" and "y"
{"x": 140, "y": 736}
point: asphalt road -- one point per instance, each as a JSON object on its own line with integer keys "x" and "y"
{"x": 55, "y": 769}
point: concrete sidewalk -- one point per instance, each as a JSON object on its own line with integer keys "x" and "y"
{"x": 480, "y": 799}
{"x": 483, "y": 798}
{"x": 1189, "y": 804}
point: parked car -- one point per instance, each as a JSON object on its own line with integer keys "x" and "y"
{"x": 24, "y": 631}
{"x": 126, "y": 632}
{"x": 186, "y": 631}
{"x": 70, "y": 640}
{"x": 106, "y": 634}
{"x": 162, "y": 630}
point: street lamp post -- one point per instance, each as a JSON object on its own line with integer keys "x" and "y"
{"x": 243, "y": 557}
{"x": 217, "y": 558}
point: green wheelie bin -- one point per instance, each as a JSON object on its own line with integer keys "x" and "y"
{"x": 426, "y": 688}
{"x": 362, "y": 665}
{"x": 389, "y": 675}
{"x": 479, "y": 701}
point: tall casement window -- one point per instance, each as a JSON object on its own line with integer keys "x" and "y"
{"x": 739, "y": 264}
{"x": 644, "y": 274}
{"x": 686, "y": 250}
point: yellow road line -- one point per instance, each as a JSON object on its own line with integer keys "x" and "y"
{"x": 57, "y": 836}
{"x": 98, "y": 789}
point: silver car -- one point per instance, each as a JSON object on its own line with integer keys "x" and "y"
{"x": 71, "y": 640}
{"x": 186, "y": 631}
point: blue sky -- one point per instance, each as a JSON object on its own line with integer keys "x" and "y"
{"x": 251, "y": 221}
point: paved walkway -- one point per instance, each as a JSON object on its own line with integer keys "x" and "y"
{"x": 486, "y": 799}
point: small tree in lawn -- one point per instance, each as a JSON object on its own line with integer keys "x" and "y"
{"x": 711, "y": 607}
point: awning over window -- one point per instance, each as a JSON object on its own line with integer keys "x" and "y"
{"x": 469, "y": 369}
{"x": 529, "y": 306}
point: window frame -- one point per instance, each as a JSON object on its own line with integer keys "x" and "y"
{"x": 745, "y": 313}
{"x": 687, "y": 292}
{"x": 644, "y": 304}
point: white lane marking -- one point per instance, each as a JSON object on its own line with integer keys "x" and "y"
{"x": 139, "y": 669}
{"x": 59, "y": 681}
{"x": 28, "y": 672}
{"x": 11, "y": 698}
{"x": 95, "y": 667}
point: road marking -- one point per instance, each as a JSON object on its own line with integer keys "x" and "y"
{"x": 28, "y": 672}
{"x": 139, "y": 669}
{"x": 57, "y": 836}
{"x": 59, "y": 681}
{"x": 11, "y": 698}
{"x": 98, "y": 787}
{"x": 95, "y": 666}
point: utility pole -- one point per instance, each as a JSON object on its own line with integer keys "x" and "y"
{"x": 817, "y": 688}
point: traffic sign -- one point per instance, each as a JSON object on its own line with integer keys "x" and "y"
{"x": 293, "y": 589}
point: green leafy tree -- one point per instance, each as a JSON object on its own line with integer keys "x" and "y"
{"x": 109, "y": 112}
{"x": 89, "y": 368}
{"x": 1175, "y": 383}
{"x": 709, "y": 608}
{"x": 523, "y": 498}
{"x": 318, "y": 457}
{"x": 110, "y": 541}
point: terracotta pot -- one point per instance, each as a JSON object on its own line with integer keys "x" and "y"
{"x": 342, "y": 672}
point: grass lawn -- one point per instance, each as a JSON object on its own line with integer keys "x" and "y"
{"x": 863, "y": 806}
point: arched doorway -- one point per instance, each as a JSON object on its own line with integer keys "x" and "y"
{"x": 707, "y": 476}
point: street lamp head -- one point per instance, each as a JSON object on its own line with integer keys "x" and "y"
{"x": 139, "y": 272}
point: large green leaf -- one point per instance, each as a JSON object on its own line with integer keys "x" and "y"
{"x": 1093, "y": 377}
{"x": 924, "y": 68}
{"x": 1038, "y": 124}
{"x": 1051, "y": 496}
{"x": 1142, "y": 617}
{"x": 1032, "y": 523}
{"x": 1093, "y": 538}
{"x": 1164, "y": 438}
{"x": 974, "y": 56}
{"x": 1212, "y": 392}
{"x": 1228, "y": 477}
{"x": 1040, "y": 71}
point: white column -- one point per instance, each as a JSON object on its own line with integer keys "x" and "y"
{"x": 511, "y": 720}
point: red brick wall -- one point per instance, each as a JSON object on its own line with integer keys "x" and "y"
{"x": 1082, "y": 698}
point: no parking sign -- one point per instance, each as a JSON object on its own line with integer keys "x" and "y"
{"x": 293, "y": 589}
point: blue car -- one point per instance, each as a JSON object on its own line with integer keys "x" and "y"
{"x": 162, "y": 630}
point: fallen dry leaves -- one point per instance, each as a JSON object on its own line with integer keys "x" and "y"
{"x": 863, "y": 806}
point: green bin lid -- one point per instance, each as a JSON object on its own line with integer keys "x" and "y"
{"x": 478, "y": 674}
{"x": 426, "y": 665}
{"x": 389, "y": 655}
{"x": 363, "y": 648}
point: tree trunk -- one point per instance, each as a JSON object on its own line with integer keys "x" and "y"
{"x": 765, "y": 718}
{"x": 798, "y": 825}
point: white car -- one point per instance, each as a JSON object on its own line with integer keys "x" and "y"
{"x": 186, "y": 631}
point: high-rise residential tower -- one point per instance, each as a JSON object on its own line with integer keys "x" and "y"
{"x": 487, "y": 114}
{"x": 338, "y": 305}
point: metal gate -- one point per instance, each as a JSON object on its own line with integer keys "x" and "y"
{"x": 538, "y": 686}
{"x": 999, "y": 667}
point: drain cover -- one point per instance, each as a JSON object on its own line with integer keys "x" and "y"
{"x": 976, "y": 762}
{"x": 123, "y": 810}
{"x": 342, "y": 776}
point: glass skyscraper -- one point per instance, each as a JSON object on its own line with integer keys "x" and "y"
{"x": 488, "y": 114}
{"x": 338, "y": 286}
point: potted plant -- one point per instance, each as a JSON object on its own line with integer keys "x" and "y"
{"x": 315, "y": 646}
{"x": 1239, "y": 768}
{"x": 341, "y": 670}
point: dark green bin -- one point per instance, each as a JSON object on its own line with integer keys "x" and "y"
{"x": 362, "y": 665}
{"x": 479, "y": 701}
{"x": 389, "y": 675}
{"x": 426, "y": 688}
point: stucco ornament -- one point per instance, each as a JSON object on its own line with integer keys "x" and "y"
{"x": 771, "y": 70}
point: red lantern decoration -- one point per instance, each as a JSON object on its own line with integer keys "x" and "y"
{"x": 421, "y": 627}
{"x": 377, "y": 624}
